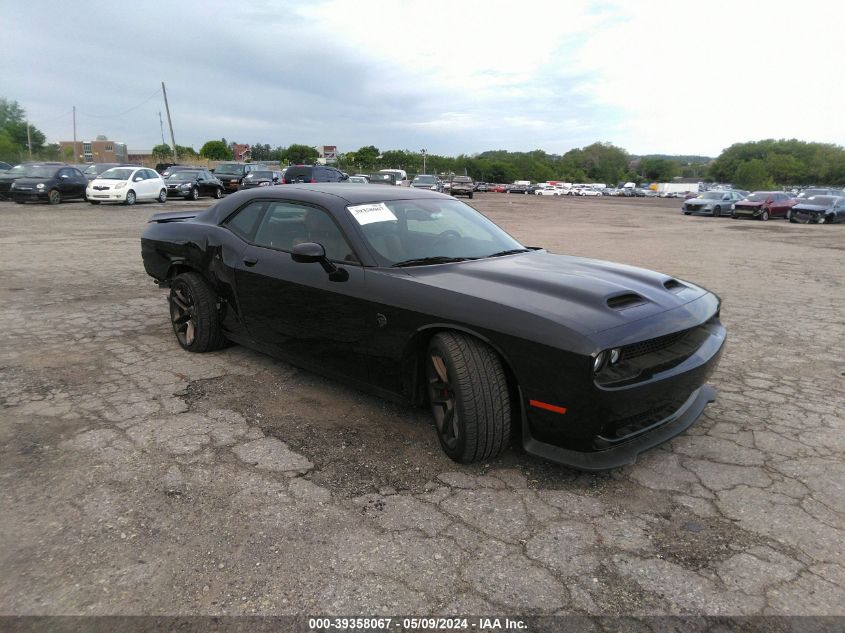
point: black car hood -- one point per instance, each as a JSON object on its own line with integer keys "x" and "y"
{"x": 571, "y": 291}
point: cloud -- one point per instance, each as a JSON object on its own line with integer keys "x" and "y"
{"x": 454, "y": 77}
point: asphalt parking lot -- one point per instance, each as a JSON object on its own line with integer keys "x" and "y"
{"x": 136, "y": 478}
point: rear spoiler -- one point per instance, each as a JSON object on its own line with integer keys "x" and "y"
{"x": 172, "y": 216}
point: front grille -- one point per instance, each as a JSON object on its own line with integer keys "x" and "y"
{"x": 628, "y": 427}
{"x": 693, "y": 207}
{"x": 653, "y": 345}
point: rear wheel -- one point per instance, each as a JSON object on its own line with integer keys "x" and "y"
{"x": 194, "y": 314}
{"x": 162, "y": 196}
{"x": 130, "y": 198}
{"x": 469, "y": 398}
{"x": 54, "y": 197}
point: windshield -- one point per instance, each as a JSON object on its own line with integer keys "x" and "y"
{"x": 41, "y": 171}
{"x": 822, "y": 201}
{"x": 758, "y": 197}
{"x": 461, "y": 179}
{"x": 229, "y": 169}
{"x": 808, "y": 193}
{"x": 404, "y": 230}
{"x": 117, "y": 173}
{"x": 184, "y": 175}
{"x": 93, "y": 170}
{"x": 425, "y": 180}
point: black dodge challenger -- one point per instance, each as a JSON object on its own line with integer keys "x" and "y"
{"x": 415, "y": 296}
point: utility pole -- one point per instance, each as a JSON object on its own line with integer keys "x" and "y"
{"x": 161, "y": 125}
{"x": 28, "y": 141}
{"x": 75, "y": 151}
{"x": 423, "y": 153}
{"x": 169, "y": 122}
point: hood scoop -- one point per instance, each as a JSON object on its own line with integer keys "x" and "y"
{"x": 673, "y": 285}
{"x": 624, "y": 301}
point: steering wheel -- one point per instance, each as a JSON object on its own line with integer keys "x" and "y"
{"x": 450, "y": 234}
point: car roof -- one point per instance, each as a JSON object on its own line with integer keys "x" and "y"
{"x": 328, "y": 194}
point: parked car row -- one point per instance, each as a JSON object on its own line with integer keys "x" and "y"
{"x": 816, "y": 206}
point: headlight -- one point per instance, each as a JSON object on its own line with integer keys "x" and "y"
{"x": 263, "y": 184}
{"x": 598, "y": 362}
{"x": 120, "y": 185}
{"x": 185, "y": 185}
{"x": 434, "y": 187}
{"x": 12, "y": 186}
{"x": 615, "y": 354}
{"x": 40, "y": 185}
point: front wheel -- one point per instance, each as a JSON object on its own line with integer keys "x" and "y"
{"x": 54, "y": 197}
{"x": 130, "y": 198}
{"x": 469, "y": 398}
{"x": 218, "y": 193}
{"x": 93, "y": 202}
{"x": 195, "y": 194}
{"x": 194, "y": 314}
{"x": 470, "y": 196}
{"x": 764, "y": 216}
{"x": 162, "y": 196}
{"x": 717, "y": 212}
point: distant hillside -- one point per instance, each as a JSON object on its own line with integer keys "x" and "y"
{"x": 682, "y": 159}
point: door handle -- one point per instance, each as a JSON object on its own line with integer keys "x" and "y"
{"x": 250, "y": 261}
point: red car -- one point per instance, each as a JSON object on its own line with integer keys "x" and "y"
{"x": 762, "y": 205}
{"x": 497, "y": 188}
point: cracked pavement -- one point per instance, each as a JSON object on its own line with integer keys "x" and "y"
{"x": 136, "y": 478}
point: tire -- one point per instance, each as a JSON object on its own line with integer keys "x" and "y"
{"x": 470, "y": 196}
{"x": 194, "y": 314}
{"x": 54, "y": 197}
{"x": 469, "y": 398}
{"x": 717, "y": 212}
{"x": 195, "y": 194}
{"x": 218, "y": 193}
{"x": 792, "y": 220}
{"x": 687, "y": 212}
{"x": 93, "y": 202}
{"x": 789, "y": 214}
{"x": 130, "y": 198}
{"x": 162, "y": 196}
{"x": 764, "y": 216}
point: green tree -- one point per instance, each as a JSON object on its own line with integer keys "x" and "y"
{"x": 8, "y": 150}
{"x": 658, "y": 169}
{"x": 162, "y": 152}
{"x": 216, "y": 150}
{"x": 185, "y": 152}
{"x": 13, "y": 122}
{"x": 366, "y": 157}
{"x": 297, "y": 154}
{"x": 752, "y": 175}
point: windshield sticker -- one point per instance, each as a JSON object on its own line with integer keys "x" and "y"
{"x": 370, "y": 213}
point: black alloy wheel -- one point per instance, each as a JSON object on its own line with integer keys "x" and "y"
{"x": 469, "y": 397}
{"x": 194, "y": 314}
{"x": 717, "y": 211}
{"x": 195, "y": 194}
{"x": 54, "y": 197}
{"x": 218, "y": 193}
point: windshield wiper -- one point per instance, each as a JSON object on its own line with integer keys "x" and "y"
{"x": 513, "y": 251}
{"x": 422, "y": 261}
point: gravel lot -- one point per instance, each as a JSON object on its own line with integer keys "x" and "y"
{"x": 136, "y": 478}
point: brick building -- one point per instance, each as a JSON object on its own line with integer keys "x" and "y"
{"x": 98, "y": 151}
{"x": 241, "y": 151}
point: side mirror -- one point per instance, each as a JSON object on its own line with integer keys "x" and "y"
{"x": 64, "y": 175}
{"x": 200, "y": 179}
{"x": 138, "y": 179}
{"x": 313, "y": 253}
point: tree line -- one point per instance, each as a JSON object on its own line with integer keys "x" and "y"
{"x": 751, "y": 165}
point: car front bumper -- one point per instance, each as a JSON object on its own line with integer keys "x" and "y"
{"x": 608, "y": 425}
{"x": 28, "y": 195}
{"x": 110, "y": 195}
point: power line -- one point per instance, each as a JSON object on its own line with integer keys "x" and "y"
{"x": 119, "y": 114}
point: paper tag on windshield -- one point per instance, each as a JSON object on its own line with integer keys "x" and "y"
{"x": 369, "y": 213}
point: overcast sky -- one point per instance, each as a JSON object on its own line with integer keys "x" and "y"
{"x": 452, "y": 77}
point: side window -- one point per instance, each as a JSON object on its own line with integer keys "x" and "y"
{"x": 287, "y": 224}
{"x": 139, "y": 175}
{"x": 244, "y": 221}
{"x": 63, "y": 172}
{"x": 149, "y": 174}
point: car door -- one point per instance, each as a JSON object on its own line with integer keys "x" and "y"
{"x": 64, "y": 182}
{"x": 293, "y": 308}
{"x": 80, "y": 182}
